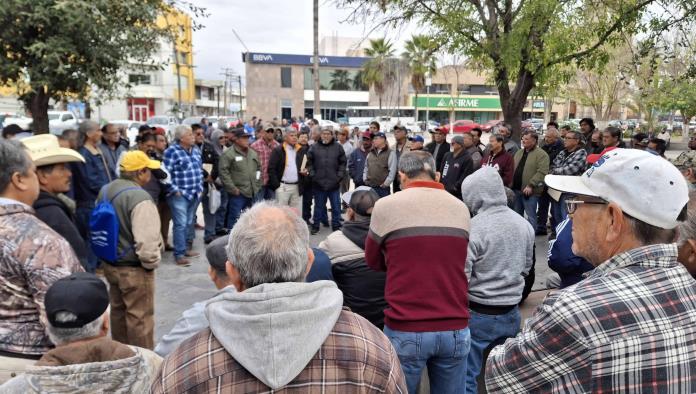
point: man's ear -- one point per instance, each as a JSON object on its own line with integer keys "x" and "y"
{"x": 310, "y": 260}
{"x": 617, "y": 223}
{"x": 234, "y": 276}
{"x": 105, "y": 325}
{"x": 437, "y": 176}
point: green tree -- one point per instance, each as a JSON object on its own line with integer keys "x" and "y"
{"x": 378, "y": 72}
{"x": 520, "y": 42}
{"x": 418, "y": 55}
{"x": 340, "y": 80}
{"x": 64, "y": 49}
{"x": 359, "y": 82}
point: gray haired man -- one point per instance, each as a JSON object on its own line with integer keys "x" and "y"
{"x": 277, "y": 332}
{"x": 85, "y": 359}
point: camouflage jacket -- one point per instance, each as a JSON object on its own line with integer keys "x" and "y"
{"x": 129, "y": 375}
{"x": 32, "y": 257}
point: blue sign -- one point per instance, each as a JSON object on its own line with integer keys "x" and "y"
{"x": 303, "y": 60}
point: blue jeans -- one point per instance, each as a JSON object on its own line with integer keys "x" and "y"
{"x": 444, "y": 353}
{"x": 320, "y": 197}
{"x": 382, "y": 191}
{"x": 558, "y": 212}
{"x": 183, "y": 211}
{"x": 487, "y": 331}
{"x": 527, "y": 204}
{"x": 235, "y": 206}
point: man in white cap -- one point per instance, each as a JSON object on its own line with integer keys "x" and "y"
{"x": 54, "y": 176}
{"x": 629, "y": 325}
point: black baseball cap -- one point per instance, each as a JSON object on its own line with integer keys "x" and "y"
{"x": 240, "y": 133}
{"x": 82, "y": 294}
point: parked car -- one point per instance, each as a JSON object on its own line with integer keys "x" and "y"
{"x": 131, "y": 128}
{"x": 461, "y": 126}
{"x": 328, "y": 123}
{"x": 20, "y": 120}
{"x": 227, "y": 121}
{"x": 537, "y": 124}
{"x": 488, "y": 126}
{"x": 431, "y": 126}
{"x": 61, "y": 120}
{"x": 192, "y": 120}
{"x": 168, "y": 123}
{"x": 692, "y": 125}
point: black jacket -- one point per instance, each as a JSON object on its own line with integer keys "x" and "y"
{"x": 209, "y": 156}
{"x": 444, "y": 148}
{"x": 327, "y": 165}
{"x": 52, "y": 211}
{"x": 454, "y": 171}
{"x": 276, "y": 167}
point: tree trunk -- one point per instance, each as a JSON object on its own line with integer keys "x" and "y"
{"x": 415, "y": 106}
{"x": 88, "y": 109}
{"x": 315, "y": 61}
{"x": 37, "y": 105}
{"x": 513, "y": 102}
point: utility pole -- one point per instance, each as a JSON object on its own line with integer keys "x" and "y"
{"x": 240, "y": 96}
{"x": 218, "y": 100}
{"x": 228, "y": 72}
{"x": 315, "y": 61}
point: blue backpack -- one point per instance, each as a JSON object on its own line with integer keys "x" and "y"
{"x": 103, "y": 228}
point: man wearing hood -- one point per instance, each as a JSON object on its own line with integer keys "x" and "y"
{"x": 278, "y": 333}
{"x": 363, "y": 288}
{"x": 499, "y": 257}
{"x": 54, "y": 175}
{"x": 85, "y": 359}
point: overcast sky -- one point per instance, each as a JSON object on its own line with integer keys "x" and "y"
{"x": 273, "y": 26}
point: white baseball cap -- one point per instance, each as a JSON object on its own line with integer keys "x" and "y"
{"x": 646, "y": 187}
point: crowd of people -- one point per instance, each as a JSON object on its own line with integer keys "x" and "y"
{"x": 431, "y": 253}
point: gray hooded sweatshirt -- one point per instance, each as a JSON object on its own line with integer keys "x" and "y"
{"x": 500, "y": 242}
{"x": 273, "y": 330}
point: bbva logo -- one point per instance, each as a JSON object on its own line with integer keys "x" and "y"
{"x": 262, "y": 58}
{"x": 322, "y": 60}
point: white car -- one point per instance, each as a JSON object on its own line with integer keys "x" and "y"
{"x": 168, "y": 123}
{"x": 61, "y": 120}
{"x": 327, "y": 123}
{"x": 131, "y": 126}
{"x": 22, "y": 121}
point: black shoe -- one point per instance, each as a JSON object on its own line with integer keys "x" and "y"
{"x": 541, "y": 232}
{"x": 208, "y": 240}
{"x": 336, "y": 228}
{"x": 223, "y": 231}
{"x": 325, "y": 224}
{"x": 313, "y": 230}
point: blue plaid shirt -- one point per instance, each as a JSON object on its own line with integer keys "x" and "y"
{"x": 185, "y": 169}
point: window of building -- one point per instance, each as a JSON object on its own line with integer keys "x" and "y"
{"x": 139, "y": 79}
{"x": 211, "y": 93}
{"x": 440, "y": 88}
{"x": 336, "y": 79}
{"x": 463, "y": 89}
{"x": 285, "y": 77}
{"x": 198, "y": 92}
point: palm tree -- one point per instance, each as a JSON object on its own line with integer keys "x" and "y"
{"x": 377, "y": 73}
{"x": 418, "y": 55}
{"x": 340, "y": 80}
{"x": 359, "y": 81}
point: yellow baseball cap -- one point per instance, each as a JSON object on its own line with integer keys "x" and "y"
{"x": 137, "y": 160}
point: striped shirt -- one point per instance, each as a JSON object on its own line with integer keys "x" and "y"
{"x": 629, "y": 327}
{"x": 355, "y": 358}
{"x": 186, "y": 170}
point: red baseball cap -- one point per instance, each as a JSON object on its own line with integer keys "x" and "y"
{"x": 367, "y": 134}
{"x": 594, "y": 157}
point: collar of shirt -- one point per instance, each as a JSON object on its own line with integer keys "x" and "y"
{"x": 429, "y": 184}
{"x": 9, "y": 201}
{"x": 661, "y": 255}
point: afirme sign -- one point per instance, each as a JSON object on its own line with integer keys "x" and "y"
{"x": 303, "y": 60}
{"x": 460, "y": 103}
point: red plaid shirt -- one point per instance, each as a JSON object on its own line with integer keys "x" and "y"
{"x": 629, "y": 327}
{"x": 264, "y": 151}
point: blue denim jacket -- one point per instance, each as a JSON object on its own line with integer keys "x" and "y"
{"x": 89, "y": 177}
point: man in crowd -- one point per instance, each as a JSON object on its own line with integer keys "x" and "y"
{"x": 439, "y": 146}
{"x": 131, "y": 277}
{"x": 71, "y": 136}
{"x": 32, "y": 257}
{"x": 509, "y": 145}
{"x": 85, "y": 359}
{"x": 553, "y": 145}
{"x": 402, "y": 146}
{"x": 570, "y": 161}
{"x": 285, "y": 170}
{"x": 499, "y": 256}
{"x": 477, "y": 133}
{"x": 362, "y": 287}
{"x": 628, "y": 326}
{"x": 111, "y": 147}
{"x": 686, "y": 242}
{"x": 240, "y": 171}
{"x": 587, "y": 127}
{"x": 275, "y": 332}
{"x": 356, "y": 161}
{"x": 10, "y": 131}
{"x": 327, "y": 166}
{"x": 612, "y": 137}
{"x": 434, "y": 313}
{"x": 183, "y": 161}
{"x": 209, "y": 160}
{"x": 380, "y": 166}
{"x": 568, "y": 267}
{"x": 470, "y": 148}
{"x": 416, "y": 144}
{"x": 594, "y": 146}
{"x": 193, "y": 319}
{"x": 657, "y": 146}
{"x": 53, "y": 174}
{"x": 348, "y": 148}
{"x": 88, "y": 179}
{"x": 499, "y": 159}
{"x": 686, "y": 163}
{"x": 531, "y": 166}
{"x": 263, "y": 147}
{"x": 564, "y": 129}
{"x": 457, "y": 165}
{"x": 637, "y": 141}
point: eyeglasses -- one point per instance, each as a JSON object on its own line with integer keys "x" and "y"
{"x": 570, "y": 138}
{"x": 572, "y": 205}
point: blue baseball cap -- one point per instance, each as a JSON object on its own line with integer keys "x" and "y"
{"x": 417, "y": 138}
{"x": 375, "y": 135}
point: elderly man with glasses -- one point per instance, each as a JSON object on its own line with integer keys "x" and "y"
{"x": 629, "y": 325}
{"x": 570, "y": 161}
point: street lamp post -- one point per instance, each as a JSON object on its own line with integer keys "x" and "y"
{"x": 428, "y": 82}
